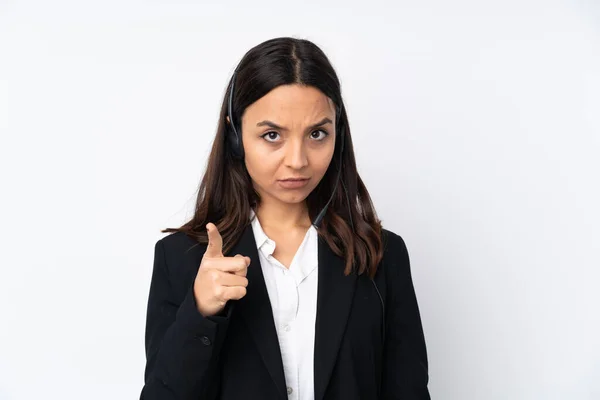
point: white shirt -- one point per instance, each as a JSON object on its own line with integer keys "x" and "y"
{"x": 293, "y": 297}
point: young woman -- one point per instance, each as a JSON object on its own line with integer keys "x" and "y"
{"x": 283, "y": 285}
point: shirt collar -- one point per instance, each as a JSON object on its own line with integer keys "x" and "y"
{"x": 260, "y": 236}
{"x": 309, "y": 259}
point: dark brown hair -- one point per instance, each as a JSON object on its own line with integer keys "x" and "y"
{"x": 226, "y": 194}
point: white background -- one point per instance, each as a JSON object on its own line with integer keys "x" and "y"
{"x": 477, "y": 132}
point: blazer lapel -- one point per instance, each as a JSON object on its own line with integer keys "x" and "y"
{"x": 334, "y": 299}
{"x": 255, "y": 307}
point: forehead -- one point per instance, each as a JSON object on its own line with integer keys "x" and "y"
{"x": 293, "y": 101}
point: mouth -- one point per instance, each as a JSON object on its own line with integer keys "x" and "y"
{"x": 293, "y": 179}
{"x": 293, "y": 183}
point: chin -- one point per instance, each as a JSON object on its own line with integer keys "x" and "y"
{"x": 292, "y": 197}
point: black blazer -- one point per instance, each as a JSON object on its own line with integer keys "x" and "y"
{"x": 236, "y": 356}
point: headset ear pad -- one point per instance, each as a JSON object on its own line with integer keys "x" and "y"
{"x": 235, "y": 142}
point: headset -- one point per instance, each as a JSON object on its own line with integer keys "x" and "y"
{"x": 234, "y": 139}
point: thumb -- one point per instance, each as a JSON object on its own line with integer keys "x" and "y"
{"x": 246, "y": 258}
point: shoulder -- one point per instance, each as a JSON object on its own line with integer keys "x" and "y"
{"x": 393, "y": 244}
{"x": 177, "y": 242}
{"x": 180, "y": 251}
{"x": 395, "y": 259}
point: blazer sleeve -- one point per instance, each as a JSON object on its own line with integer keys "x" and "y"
{"x": 182, "y": 346}
{"x": 405, "y": 369}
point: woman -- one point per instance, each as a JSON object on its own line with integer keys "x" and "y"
{"x": 283, "y": 285}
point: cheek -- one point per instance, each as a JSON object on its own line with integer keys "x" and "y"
{"x": 260, "y": 169}
{"x": 321, "y": 164}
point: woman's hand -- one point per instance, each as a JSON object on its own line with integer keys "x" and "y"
{"x": 219, "y": 278}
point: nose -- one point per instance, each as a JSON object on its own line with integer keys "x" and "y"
{"x": 296, "y": 155}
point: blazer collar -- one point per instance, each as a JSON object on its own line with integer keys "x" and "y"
{"x": 334, "y": 300}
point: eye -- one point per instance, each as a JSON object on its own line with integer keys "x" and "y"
{"x": 321, "y": 137}
{"x": 270, "y": 136}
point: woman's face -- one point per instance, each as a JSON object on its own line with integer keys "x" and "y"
{"x": 288, "y": 134}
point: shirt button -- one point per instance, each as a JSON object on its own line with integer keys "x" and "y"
{"x": 287, "y": 328}
{"x": 205, "y": 340}
{"x": 290, "y": 390}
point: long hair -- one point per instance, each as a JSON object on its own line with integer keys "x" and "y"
{"x": 226, "y": 195}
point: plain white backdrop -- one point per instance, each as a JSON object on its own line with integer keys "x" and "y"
{"x": 477, "y": 131}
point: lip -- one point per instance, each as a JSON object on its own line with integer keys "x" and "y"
{"x": 293, "y": 183}
{"x": 300, "y": 178}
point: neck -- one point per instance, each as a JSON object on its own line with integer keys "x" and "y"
{"x": 282, "y": 216}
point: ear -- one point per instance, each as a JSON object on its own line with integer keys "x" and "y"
{"x": 227, "y": 117}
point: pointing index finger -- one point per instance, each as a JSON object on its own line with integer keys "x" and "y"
{"x": 215, "y": 241}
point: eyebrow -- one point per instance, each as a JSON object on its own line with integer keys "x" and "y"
{"x": 281, "y": 128}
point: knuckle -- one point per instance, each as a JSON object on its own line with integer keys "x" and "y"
{"x": 214, "y": 275}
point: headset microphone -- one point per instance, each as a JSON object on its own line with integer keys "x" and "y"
{"x": 321, "y": 215}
